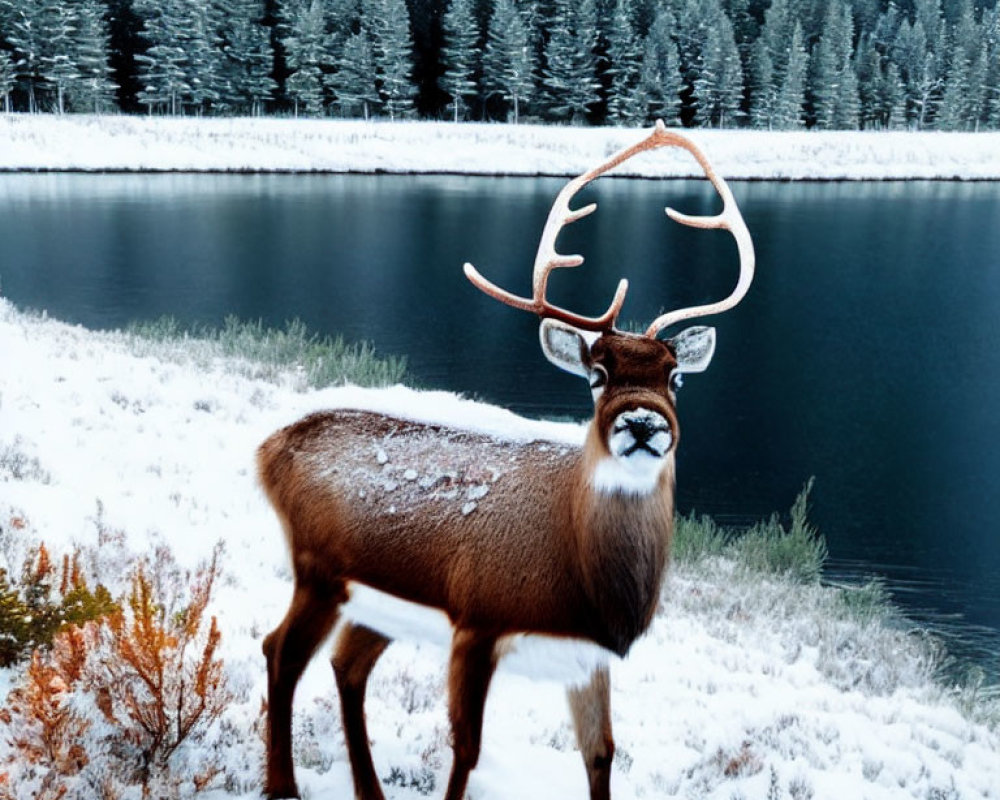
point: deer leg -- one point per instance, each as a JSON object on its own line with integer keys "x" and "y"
{"x": 470, "y": 670}
{"x": 358, "y": 648}
{"x": 591, "y": 709}
{"x": 288, "y": 649}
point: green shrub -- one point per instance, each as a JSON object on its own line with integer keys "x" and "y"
{"x": 770, "y": 547}
{"x": 36, "y": 608}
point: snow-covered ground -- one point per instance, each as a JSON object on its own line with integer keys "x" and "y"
{"x": 80, "y": 142}
{"x": 744, "y": 687}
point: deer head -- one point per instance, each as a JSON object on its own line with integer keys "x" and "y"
{"x": 633, "y": 377}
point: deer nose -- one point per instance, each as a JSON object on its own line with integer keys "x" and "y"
{"x": 641, "y": 429}
{"x": 642, "y": 425}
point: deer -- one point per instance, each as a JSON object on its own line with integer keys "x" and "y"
{"x": 507, "y": 541}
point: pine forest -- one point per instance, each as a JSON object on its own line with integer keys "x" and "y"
{"x": 765, "y": 64}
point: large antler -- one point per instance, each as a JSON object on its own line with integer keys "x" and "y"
{"x": 548, "y": 259}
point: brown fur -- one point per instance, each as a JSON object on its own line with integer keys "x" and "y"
{"x": 504, "y": 537}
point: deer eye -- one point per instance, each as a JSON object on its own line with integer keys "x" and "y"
{"x": 598, "y": 376}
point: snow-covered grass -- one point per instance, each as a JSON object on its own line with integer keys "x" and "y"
{"x": 81, "y": 142}
{"x": 255, "y": 351}
{"x": 752, "y": 682}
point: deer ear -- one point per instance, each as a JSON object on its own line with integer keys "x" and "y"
{"x": 567, "y": 347}
{"x": 694, "y": 348}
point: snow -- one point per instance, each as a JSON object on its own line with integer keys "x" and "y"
{"x": 739, "y": 687}
{"x": 82, "y": 142}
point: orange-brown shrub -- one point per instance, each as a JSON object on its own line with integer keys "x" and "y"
{"x": 114, "y": 707}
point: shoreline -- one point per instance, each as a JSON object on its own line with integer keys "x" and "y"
{"x": 232, "y": 145}
{"x": 458, "y": 174}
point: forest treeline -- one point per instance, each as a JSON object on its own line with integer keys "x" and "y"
{"x": 768, "y": 64}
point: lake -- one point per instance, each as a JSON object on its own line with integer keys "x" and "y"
{"x": 866, "y": 353}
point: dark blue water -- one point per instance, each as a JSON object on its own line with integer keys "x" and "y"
{"x": 866, "y": 353}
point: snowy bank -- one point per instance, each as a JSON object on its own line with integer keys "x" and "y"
{"x": 80, "y": 142}
{"x": 744, "y": 686}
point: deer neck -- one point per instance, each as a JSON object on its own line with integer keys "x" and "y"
{"x": 623, "y": 541}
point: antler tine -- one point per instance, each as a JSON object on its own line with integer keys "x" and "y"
{"x": 547, "y": 259}
{"x": 728, "y": 219}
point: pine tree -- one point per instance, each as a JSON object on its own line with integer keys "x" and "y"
{"x": 791, "y": 95}
{"x": 203, "y": 68}
{"x": 962, "y": 102}
{"x": 660, "y": 77}
{"x": 745, "y": 26}
{"x": 831, "y": 60}
{"x": 769, "y": 61}
{"x": 354, "y": 82}
{"x": 94, "y": 89}
{"x": 58, "y": 63}
{"x": 991, "y": 89}
{"x": 304, "y": 47}
{"x": 27, "y": 36}
{"x": 626, "y": 103}
{"x": 910, "y": 53}
{"x": 847, "y": 106}
{"x": 719, "y": 86}
{"x": 870, "y": 79}
{"x": 460, "y": 53}
{"x": 893, "y": 98}
{"x": 776, "y": 36}
{"x": 763, "y": 95}
{"x": 571, "y": 86}
{"x": 694, "y": 26}
{"x": 250, "y": 58}
{"x": 163, "y": 65}
{"x": 508, "y": 62}
{"x": 929, "y": 15}
{"x": 392, "y": 53}
{"x": 7, "y": 79}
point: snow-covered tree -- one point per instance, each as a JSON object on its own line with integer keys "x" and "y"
{"x": 570, "y": 73}
{"x": 94, "y": 90}
{"x": 870, "y": 90}
{"x": 27, "y": 35}
{"x": 203, "y": 68}
{"x": 893, "y": 98}
{"x": 830, "y": 64}
{"x": 762, "y": 90}
{"x": 392, "y": 53}
{"x": 719, "y": 85}
{"x": 508, "y": 61}
{"x": 460, "y": 53}
{"x": 58, "y": 62}
{"x": 305, "y": 49}
{"x": 776, "y": 36}
{"x": 626, "y": 102}
{"x": 692, "y": 23}
{"x": 769, "y": 61}
{"x": 963, "y": 101}
{"x": 249, "y": 57}
{"x": 991, "y": 89}
{"x": 7, "y": 78}
{"x": 911, "y": 54}
{"x": 847, "y": 106}
{"x": 354, "y": 82}
{"x": 931, "y": 18}
{"x": 163, "y": 67}
{"x": 790, "y": 99}
{"x": 660, "y": 76}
